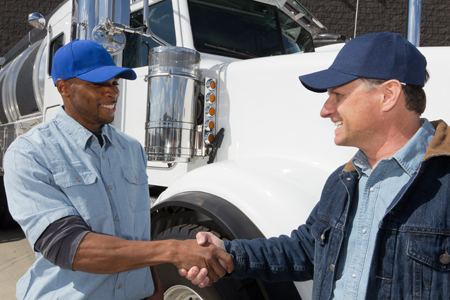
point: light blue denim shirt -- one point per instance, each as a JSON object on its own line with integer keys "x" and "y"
{"x": 59, "y": 169}
{"x": 376, "y": 190}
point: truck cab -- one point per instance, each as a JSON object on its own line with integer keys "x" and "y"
{"x": 235, "y": 143}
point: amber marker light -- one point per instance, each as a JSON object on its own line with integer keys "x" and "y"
{"x": 209, "y": 125}
{"x": 209, "y": 138}
{"x": 211, "y": 84}
{"x": 210, "y": 111}
{"x": 211, "y": 98}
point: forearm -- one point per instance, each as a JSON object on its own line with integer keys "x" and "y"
{"x": 104, "y": 254}
{"x": 275, "y": 259}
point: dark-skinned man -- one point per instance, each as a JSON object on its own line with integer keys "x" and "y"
{"x": 78, "y": 188}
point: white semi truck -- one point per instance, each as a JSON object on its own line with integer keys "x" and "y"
{"x": 235, "y": 143}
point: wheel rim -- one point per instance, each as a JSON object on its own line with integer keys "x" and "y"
{"x": 181, "y": 292}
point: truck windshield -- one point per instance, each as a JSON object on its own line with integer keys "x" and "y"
{"x": 245, "y": 29}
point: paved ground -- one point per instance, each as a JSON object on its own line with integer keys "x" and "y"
{"x": 16, "y": 256}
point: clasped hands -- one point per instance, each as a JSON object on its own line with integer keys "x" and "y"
{"x": 215, "y": 268}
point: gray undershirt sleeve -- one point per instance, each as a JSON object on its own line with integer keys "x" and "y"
{"x": 59, "y": 242}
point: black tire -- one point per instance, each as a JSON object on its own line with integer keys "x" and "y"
{"x": 226, "y": 288}
{"x": 6, "y": 221}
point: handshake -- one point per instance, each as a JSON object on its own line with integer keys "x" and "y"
{"x": 207, "y": 262}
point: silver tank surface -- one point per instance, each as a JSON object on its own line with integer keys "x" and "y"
{"x": 172, "y": 103}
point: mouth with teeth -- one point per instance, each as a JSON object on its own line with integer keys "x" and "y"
{"x": 339, "y": 124}
{"x": 108, "y": 106}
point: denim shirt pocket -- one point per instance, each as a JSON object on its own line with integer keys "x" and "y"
{"x": 80, "y": 185}
{"x": 137, "y": 189}
{"x": 67, "y": 177}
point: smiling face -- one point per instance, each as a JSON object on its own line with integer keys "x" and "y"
{"x": 90, "y": 104}
{"x": 355, "y": 109}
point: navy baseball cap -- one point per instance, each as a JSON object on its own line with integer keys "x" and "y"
{"x": 383, "y": 55}
{"x": 88, "y": 61}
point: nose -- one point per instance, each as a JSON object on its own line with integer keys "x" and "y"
{"x": 112, "y": 90}
{"x": 327, "y": 108}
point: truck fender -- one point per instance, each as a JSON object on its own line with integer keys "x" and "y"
{"x": 223, "y": 213}
{"x": 284, "y": 189}
{"x": 232, "y": 221}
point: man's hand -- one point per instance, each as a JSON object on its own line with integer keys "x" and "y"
{"x": 214, "y": 259}
{"x": 200, "y": 276}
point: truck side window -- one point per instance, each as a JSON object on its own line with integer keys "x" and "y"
{"x": 245, "y": 29}
{"x": 57, "y": 43}
{"x": 161, "y": 23}
{"x": 296, "y": 39}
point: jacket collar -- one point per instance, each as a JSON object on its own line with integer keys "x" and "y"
{"x": 439, "y": 145}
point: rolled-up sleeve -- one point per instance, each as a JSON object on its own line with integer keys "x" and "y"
{"x": 34, "y": 200}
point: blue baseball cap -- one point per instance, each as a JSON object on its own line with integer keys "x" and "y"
{"x": 383, "y": 55}
{"x": 88, "y": 61}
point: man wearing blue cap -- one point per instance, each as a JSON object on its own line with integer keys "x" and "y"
{"x": 381, "y": 229}
{"x": 78, "y": 188}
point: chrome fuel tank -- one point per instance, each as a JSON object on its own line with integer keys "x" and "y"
{"x": 21, "y": 84}
{"x": 172, "y": 103}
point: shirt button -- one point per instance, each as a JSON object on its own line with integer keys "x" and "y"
{"x": 93, "y": 138}
{"x": 331, "y": 268}
{"x": 120, "y": 286}
{"x": 135, "y": 177}
{"x": 354, "y": 275}
{"x": 364, "y": 231}
{"x": 110, "y": 187}
{"x": 78, "y": 179}
{"x": 103, "y": 157}
{"x": 116, "y": 218}
{"x": 372, "y": 189}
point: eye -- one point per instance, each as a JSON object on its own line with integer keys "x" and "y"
{"x": 98, "y": 85}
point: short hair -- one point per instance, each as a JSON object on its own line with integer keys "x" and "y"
{"x": 415, "y": 97}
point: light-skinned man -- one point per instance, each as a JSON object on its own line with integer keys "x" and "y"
{"x": 381, "y": 228}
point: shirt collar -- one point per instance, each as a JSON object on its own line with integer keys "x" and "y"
{"x": 77, "y": 132}
{"x": 408, "y": 157}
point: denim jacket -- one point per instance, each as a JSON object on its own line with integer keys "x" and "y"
{"x": 412, "y": 250}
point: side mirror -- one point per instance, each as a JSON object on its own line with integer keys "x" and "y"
{"x": 36, "y": 20}
{"x": 329, "y": 38}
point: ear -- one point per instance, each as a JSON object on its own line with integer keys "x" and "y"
{"x": 392, "y": 90}
{"x": 63, "y": 87}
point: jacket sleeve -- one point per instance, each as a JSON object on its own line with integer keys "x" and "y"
{"x": 283, "y": 258}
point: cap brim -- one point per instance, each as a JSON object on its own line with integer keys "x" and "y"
{"x": 106, "y": 73}
{"x": 320, "y": 81}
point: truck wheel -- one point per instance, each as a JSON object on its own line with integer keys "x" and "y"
{"x": 177, "y": 287}
{"x": 6, "y": 221}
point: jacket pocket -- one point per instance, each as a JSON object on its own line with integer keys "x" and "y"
{"x": 430, "y": 265}
{"x": 431, "y": 250}
{"x": 320, "y": 231}
{"x": 323, "y": 263}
